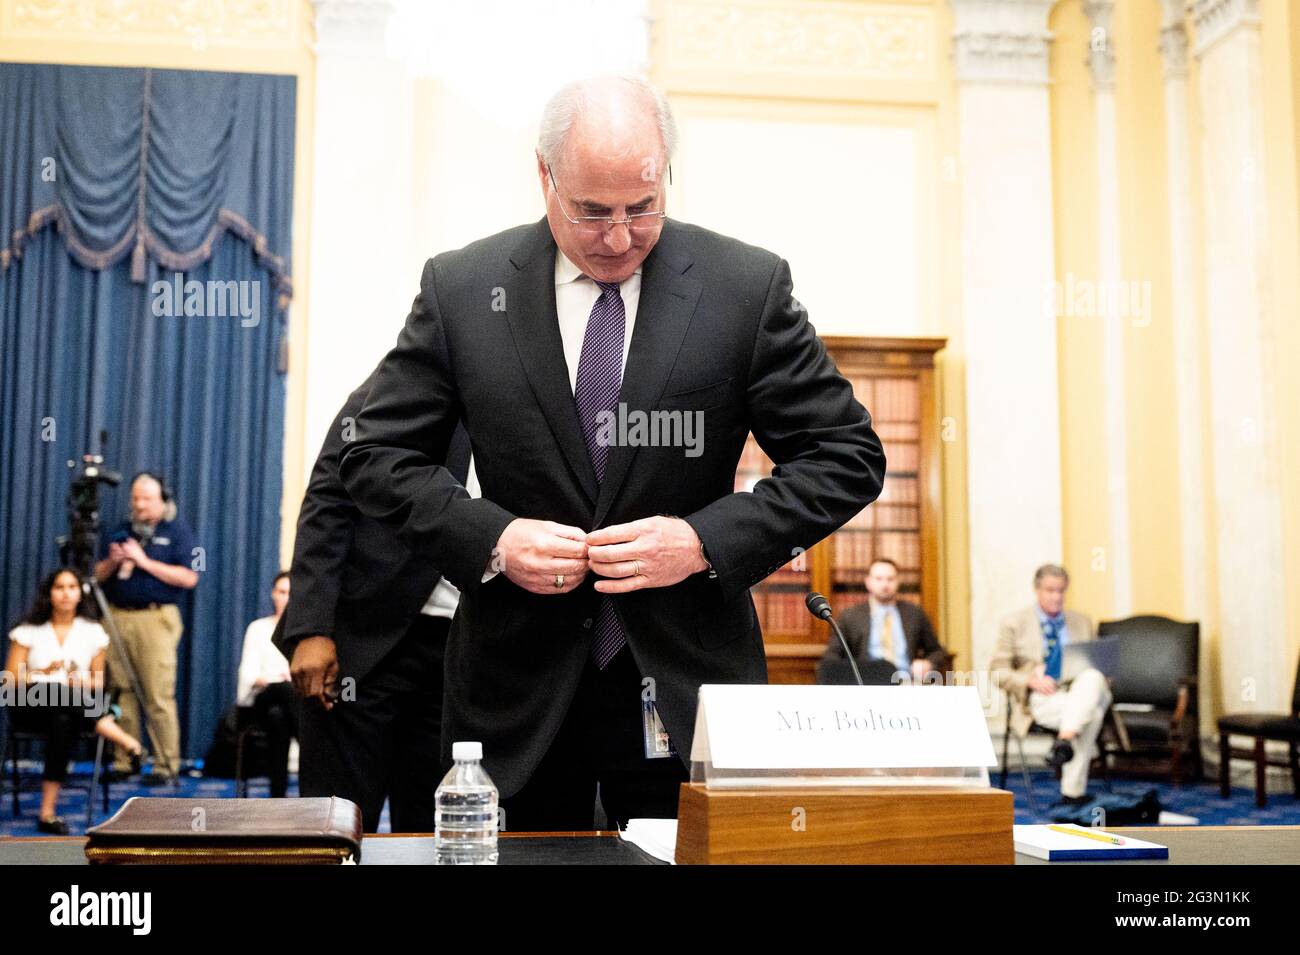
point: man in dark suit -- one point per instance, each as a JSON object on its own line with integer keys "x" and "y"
{"x": 365, "y": 631}
{"x": 886, "y": 628}
{"x": 608, "y": 365}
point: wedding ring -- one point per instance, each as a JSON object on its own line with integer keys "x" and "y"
{"x": 637, "y": 565}
{"x": 559, "y": 581}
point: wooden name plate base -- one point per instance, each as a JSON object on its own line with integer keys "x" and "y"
{"x": 853, "y": 826}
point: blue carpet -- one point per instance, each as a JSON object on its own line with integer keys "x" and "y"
{"x": 72, "y": 798}
{"x": 1200, "y": 800}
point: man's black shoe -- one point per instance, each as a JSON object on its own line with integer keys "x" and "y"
{"x": 1075, "y": 800}
{"x": 157, "y": 779}
{"x": 54, "y": 826}
{"x": 1062, "y": 752}
{"x": 115, "y": 775}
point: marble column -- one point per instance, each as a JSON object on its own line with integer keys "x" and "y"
{"x": 1000, "y": 49}
{"x": 1184, "y": 272}
{"x": 1113, "y": 392}
{"x": 1243, "y": 361}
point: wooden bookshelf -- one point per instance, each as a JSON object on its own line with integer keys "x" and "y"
{"x": 894, "y": 379}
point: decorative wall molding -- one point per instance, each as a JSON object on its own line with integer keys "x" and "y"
{"x": 272, "y": 23}
{"x": 1101, "y": 48}
{"x": 1215, "y": 19}
{"x": 1173, "y": 39}
{"x": 870, "y": 40}
{"x": 356, "y": 27}
{"x": 1001, "y": 41}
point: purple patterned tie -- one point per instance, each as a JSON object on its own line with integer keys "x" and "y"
{"x": 600, "y": 373}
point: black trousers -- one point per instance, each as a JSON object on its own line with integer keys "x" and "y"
{"x": 599, "y": 747}
{"x": 385, "y": 743}
{"x": 60, "y": 725}
{"x": 276, "y": 709}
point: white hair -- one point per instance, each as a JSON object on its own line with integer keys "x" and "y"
{"x": 570, "y": 101}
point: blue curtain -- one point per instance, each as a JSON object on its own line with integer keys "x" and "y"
{"x": 156, "y": 174}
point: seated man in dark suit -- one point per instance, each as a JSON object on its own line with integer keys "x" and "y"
{"x": 886, "y": 628}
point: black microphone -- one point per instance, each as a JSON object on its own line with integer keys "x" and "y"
{"x": 820, "y": 608}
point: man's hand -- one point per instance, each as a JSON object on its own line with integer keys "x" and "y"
{"x": 115, "y": 555}
{"x": 652, "y": 552}
{"x": 315, "y": 669}
{"x": 1042, "y": 683}
{"x": 920, "y": 668}
{"x": 534, "y": 553}
{"x": 131, "y": 550}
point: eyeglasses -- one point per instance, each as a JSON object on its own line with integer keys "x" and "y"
{"x": 638, "y": 222}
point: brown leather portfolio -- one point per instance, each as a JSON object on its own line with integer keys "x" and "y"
{"x": 149, "y": 831}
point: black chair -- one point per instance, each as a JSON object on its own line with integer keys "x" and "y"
{"x": 1283, "y": 727}
{"x": 20, "y": 740}
{"x": 248, "y": 730}
{"x": 1155, "y": 691}
{"x": 1037, "y": 729}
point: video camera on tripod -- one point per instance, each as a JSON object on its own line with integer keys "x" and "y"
{"x": 78, "y": 547}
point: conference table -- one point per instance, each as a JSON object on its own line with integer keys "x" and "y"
{"x": 1188, "y": 845}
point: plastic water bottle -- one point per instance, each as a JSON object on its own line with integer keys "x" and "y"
{"x": 466, "y": 818}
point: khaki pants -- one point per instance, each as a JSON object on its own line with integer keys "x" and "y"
{"x": 151, "y": 637}
{"x": 1080, "y": 707}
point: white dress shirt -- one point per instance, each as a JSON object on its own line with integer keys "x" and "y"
{"x": 260, "y": 659}
{"x": 575, "y": 297}
{"x": 82, "y": 643}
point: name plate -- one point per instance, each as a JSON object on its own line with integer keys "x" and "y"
{"x": 923, "y": 733}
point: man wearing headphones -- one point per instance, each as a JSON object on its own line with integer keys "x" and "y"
{"x": 147, "y": 568}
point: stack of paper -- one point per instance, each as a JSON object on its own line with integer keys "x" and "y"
{"x": 1071, "y": 843}
{"x": 656, "y": 837}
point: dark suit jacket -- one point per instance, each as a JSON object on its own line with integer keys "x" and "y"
{"x": 718, "y": 332}
{"x": 922, "y": 644}
{"x": 352, "y": 578}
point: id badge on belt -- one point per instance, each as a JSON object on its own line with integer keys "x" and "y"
{"x": 658, "y": 745}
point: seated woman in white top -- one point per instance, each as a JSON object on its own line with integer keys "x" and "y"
{"x": 56, "y": 661}
{"x": 264, "y": 684}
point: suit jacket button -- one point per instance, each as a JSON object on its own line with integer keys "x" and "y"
{"x": 586, "y": 624}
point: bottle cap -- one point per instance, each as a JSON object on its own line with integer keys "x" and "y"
{"x": 461, "y": 751}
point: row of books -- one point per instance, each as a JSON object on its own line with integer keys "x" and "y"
{"x": 783, "y": 611}
{"x": 901, "y": 456}
{"x": 843, "y": 600}
{"x": 856, "y": 549}
{"x": 897, "y": 430}
{"x": 888, "y": 399}
{"x": 899, "y": 490}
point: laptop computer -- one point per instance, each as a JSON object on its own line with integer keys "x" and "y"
{"x": 1100, "y": 654}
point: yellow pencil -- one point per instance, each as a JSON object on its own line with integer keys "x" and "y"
{"x": 1111, "y": 840}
